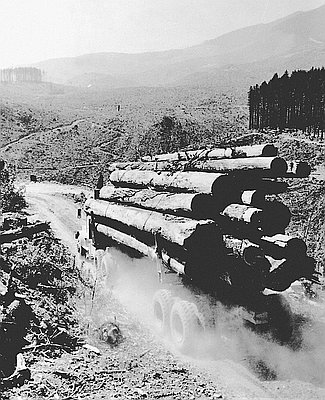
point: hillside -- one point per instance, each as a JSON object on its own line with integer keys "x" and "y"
{"x": 244, "y": 56}
{"x": 79, "y": 126}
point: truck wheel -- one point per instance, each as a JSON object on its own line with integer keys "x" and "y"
{"x": 110, "y": 270}
{"x": 162, "y": 304}
{"x": 184, "y": 325}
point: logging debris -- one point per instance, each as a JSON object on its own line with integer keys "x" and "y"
{"x": 34, "y": 315}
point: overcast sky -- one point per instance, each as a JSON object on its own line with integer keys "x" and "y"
{"x": 35, "y": 30}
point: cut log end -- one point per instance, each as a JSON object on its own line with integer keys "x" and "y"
{"x": 269, "y": 150}
{"x": 278, "y": 166}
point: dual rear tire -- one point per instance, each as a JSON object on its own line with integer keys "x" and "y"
{"x": 185, "y": 326}
{"x": 179, "y": 319}
{"x": 162, "y": 304}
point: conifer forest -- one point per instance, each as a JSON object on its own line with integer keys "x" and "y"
{"x": 295, "y": 101}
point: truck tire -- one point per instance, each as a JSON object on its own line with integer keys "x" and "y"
{"x": 185, "y": 325}
{"x": 162, "y": 304}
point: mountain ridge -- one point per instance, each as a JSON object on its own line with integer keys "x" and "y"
{"x": 299, "y": 33}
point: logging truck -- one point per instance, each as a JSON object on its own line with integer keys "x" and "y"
{"x": 210, "y": 222}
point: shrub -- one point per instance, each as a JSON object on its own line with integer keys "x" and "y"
{"x": 11, "y": 198}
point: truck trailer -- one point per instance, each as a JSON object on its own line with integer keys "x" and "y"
{"x": 210, "y": 222}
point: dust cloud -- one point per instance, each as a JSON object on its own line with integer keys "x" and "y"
{"x": 231, "y": 339}
{"x": 135, "y": 285}
{"x": 303, "y": 358}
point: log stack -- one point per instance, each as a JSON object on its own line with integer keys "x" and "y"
{"x": 209, "y": 211}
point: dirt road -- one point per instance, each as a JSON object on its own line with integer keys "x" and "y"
{"x": 238, "y": 372}
{"x": 61, "y": 128}
{"x": 54, "y": 203}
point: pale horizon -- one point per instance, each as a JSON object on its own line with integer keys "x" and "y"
{"x": 38, "y": 30}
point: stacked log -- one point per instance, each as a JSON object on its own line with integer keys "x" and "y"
{"x": 183, "y": 238}
{"x": 174, "y": 229}
{"x": 245, "y": 249}
{"x": 265, "y": 150}
{"x": 203, "y": 210}
{"x": 258, "y": 166}
{"x": 194, "y": 182}
{"x": 283, "y": 246}
{"x": 181, "y": 204}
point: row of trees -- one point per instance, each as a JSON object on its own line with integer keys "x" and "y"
{"x": 21, "y": 74}
{"x": 296, "y": 102}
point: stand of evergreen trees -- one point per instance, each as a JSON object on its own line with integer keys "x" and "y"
{"x": 21, "y": 74}
{"x": 294, "y": 102}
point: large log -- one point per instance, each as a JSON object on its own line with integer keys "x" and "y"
{"x": 196, "y": 244}
{"x": 132, "y": 178}
{"x": 244, "y": 213}
{"x": 224, "y": 187}
{"x": 126, "y": 240}
{"x": 274, "y": 217}
{"x": 264, "y": 150}
{"x": 282, "y": 246}
{"x": 192, "y": 182}
{"x": 264, "y": 166}
{"x": 193, "y": 205}
{"x": 250, "y": 252}
{"x": 172, "y": 228}
{"x": 258, "y": 166}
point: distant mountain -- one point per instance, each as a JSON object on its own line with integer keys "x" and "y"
{"x": 239, "y": 57}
